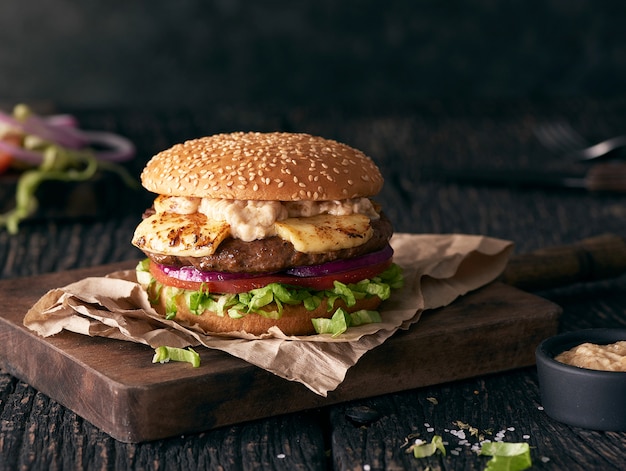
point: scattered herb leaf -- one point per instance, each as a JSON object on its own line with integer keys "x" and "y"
{"x": 424, "y": 449}
{"x": 506, "y": 456}
{"x": 164, "y": 354}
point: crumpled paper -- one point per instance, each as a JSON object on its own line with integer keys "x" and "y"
{"x": 437, "y": 270}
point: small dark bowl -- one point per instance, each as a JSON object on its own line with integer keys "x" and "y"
{"x": 582, "y": 397}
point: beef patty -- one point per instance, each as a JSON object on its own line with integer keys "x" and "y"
{"x": 273, "y": 254}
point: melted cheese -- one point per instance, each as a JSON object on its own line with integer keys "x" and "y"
{"x": 181, "y": 235}
{"x": 176, "y": 204}
{"x": 325, "y": 232}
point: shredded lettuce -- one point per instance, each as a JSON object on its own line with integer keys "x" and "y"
{"x": 164, "y": 354}
{"x": 256, "y": 300}
{"x": 336, "y": 325}
{"x": 342, "y": 320}
{"x": 506, "y": 456}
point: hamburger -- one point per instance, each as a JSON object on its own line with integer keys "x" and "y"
{"x": 255, "y": 230}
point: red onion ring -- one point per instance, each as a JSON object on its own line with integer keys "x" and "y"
{"x": 66, "y": 120}
{"x": 10, "y": 120}
{"x": 63, "y": 130}
{"x": 193, "y": 274}
{"x": 25, "y": 155}
{"x": 65, "y": 136}
{"x": 120, "y": 148}
{"x": 337, "y": 266}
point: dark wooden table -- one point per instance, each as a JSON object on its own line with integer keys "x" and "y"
{"x": 38, "y": 433}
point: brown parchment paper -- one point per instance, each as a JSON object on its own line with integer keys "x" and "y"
{"x": 437, "y": 270}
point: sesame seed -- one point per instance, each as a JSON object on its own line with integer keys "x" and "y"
{"x": 212, "y": 164}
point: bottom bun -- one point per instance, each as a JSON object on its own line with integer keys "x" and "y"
{"x": 295, "y": 319}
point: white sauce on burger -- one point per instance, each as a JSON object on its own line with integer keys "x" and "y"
{"x": 251, "y": 220}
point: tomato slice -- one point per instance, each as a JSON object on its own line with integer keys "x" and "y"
{"x": 5, "y": 158}
{"x": 5, "y": 161}
{"x": 241, "y": 285}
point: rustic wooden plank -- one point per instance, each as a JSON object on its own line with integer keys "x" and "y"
{"x": 508, "y": 403}
{"x": 37, "y": 432}
{"x": 490, "y": 402}
{"x": 114, "y": 385}
{"x": 531, "y": 218}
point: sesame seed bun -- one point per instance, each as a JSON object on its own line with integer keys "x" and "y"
{"x": 263, "y": 166}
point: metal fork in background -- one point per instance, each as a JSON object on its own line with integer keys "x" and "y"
{"x": 609, "y": 176}
{"x": 560, "y": 137}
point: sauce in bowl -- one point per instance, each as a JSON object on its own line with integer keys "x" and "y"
{"x": 611, "y": 357}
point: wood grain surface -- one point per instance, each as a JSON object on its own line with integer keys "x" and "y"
{"x": 114, "y": 385}
{"x": 38, "y": 433}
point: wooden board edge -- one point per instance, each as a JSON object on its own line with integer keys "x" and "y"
{"x": 127, "y": 413}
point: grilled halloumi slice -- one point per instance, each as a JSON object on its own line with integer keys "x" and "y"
{"x": 192, "y": 235}
{"x": 325, "y": 232}
{"x": 197, "y": 235}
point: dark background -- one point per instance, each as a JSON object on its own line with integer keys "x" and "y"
{"x": 328, "y": 53}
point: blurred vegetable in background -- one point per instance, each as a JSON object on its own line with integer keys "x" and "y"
{"x": 41, "y": 148}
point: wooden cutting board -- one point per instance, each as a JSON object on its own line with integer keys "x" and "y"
{"x": 114, "y": 385}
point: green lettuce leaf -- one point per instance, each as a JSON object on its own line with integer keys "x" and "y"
{"x": 336, "y": 325}
{"x": 165, "y": 354}
{"x": 425, "y": 449}
{"x": 342, "y": 320}
{"x": 506, "y": 456}
{"x": 256, "y": 300}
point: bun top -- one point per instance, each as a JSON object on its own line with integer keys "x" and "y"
{"x": 263, "y": 166}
